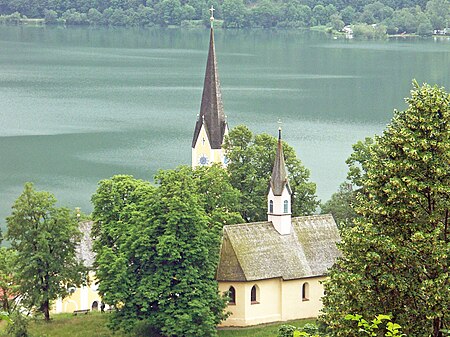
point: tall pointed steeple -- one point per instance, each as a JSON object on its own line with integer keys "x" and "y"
{"x": 211, "y": 125}
{"x": 279, "y": 197}
{"x": 279, "y": 176}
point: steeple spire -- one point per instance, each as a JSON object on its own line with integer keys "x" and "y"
{"x": 279, "y": 176}
{"x": 211, "y": 108}
{"x": 211, "y": 119}
{"x": 279, "y": 197}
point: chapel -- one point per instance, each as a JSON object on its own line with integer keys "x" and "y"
{"x": 272, "y": 270}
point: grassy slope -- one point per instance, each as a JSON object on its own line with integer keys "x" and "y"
{"x": 94, "y": 324}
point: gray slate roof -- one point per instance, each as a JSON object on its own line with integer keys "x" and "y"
{"x": 84, "y": 250}
{"x": 279, "y": 177}
{"x": 211, "y": 109}
{"x": 256, "y": 251}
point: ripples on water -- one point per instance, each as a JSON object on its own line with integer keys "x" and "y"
{"x": 80, "y": 104}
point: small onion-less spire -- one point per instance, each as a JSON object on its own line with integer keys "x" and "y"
{"x": 279, "y": 177}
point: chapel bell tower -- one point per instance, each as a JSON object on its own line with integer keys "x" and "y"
{"x": 279, "y": 197}
{"x": 211, "y": 126}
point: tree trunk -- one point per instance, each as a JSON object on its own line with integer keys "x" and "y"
{"x": 437, "y": 326}
{"x": 46, "y": 310}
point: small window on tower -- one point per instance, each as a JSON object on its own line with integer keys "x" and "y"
{"x": 286, "y": 206}
{"x": 271, "y": 206}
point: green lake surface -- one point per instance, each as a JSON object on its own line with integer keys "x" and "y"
{"x": 81, "y": 104}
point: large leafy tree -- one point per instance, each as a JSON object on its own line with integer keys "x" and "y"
{"x": 45, "y": 238}
{"x": 396, "y": 256}
{"x": 157, "y": 248}
{"x": 251, "y": 159}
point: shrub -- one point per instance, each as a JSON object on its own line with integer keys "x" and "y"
{"x": 286, "y": 330}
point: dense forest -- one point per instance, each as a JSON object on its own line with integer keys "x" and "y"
{"x": 382, "y": 16}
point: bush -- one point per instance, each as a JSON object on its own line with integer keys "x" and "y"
{"x": 18, "y": 327}
{"x": 145, "y": 329}
{"x": 286, "y": 330}
{"x": 310, "y": 329}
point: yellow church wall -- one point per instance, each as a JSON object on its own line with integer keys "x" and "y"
{"x": 82, "y": 298}
{"x": 244, "y": 312}
{"x": 268, "y": 308}
{"x": 279, "y": 300}
{"x": 204, "y": 148}
{"x": 201, "y": 148}
{"x": 294, "y": 306}
{"x": 237, "y": 310}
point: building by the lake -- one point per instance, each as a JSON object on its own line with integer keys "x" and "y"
{"x": 272, "y": 270}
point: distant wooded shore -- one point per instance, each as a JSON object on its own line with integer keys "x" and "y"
{"x": 373, "y": 20}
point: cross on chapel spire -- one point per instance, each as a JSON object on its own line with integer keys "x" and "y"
{"x": 211, "y": 19}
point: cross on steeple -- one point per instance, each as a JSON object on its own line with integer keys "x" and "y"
{"x": 279, "y": 128}
{"x": 212, "y": 9}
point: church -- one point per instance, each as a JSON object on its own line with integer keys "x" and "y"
{"x": 272, "y": 270}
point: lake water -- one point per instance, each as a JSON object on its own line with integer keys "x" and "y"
{"x": 81, "y": 104}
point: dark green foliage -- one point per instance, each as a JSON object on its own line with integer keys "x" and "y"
{"x": 397, "y": 15}
{"x": 9, "y": 290}
{"x": 396, "y": 256}
{"x": 286, "y": 330}
{"x": 157, "y": 249}
{"x": 18, "y": 325}
{"x": 340, "y": 205}
{"x": 45, "y": 238}
{"x": 251, "y": 162}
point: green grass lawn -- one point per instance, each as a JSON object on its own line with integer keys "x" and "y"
{"x": 94, "y": 324}
{"x": 268, "y": 330}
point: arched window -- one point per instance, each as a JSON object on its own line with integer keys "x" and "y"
{"x": 286, "y": 206}
{"x": 232, "y": 295}
{"x": 254, "y": 295}
{"x": 271, "y": 206}
{"x": 305, "y": 291}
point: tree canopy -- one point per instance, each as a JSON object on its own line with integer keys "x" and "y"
{"x": 157, "y": 248}
{"x": 396, "y": 256}
{"x": 392, "y": 16}
{"x": 251, "y": 159}
{"x": 9, "y": 289}
{"x": 45, "y": 238}
{"x": 340, "y": 205}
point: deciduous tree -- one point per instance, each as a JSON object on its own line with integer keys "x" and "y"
{"x": 157, "y": 248}
{"x": 396, "y": 256}
{"x": 45, "y": 238}
{"x": 251, "y": 161}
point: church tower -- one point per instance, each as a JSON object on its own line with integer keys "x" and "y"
{"x": 279, "y": 197}
{"x": 211, "y": 125}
